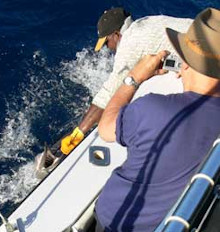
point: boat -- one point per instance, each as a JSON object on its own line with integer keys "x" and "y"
{"x": 70, "y": 189}
{"x": 53, "y": 205}
{"x": 198, "y": 207}
{"x": 64, "y": 200}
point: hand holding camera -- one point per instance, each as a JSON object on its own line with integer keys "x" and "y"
{"x": 172, "y": 63}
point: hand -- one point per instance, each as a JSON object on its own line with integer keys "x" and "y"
{"x": 71, "y": 141}
{"x": 148, "y": 66}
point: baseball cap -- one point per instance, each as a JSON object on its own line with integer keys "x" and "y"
{"x": 110, "y": 21}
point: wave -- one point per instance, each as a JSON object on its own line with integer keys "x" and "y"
{"x": 45, "y": 107}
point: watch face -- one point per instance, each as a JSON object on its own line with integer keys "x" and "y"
{"x": 128, "y": 81}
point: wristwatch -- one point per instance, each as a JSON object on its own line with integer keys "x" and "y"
{"x": 130, "y": 81}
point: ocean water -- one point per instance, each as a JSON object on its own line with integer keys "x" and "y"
{"x": 49, "y": 73}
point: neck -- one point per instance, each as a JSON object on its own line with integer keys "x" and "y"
{"x": 202, "y": 84}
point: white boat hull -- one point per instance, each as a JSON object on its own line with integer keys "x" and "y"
{"x": 60, "y": 200}
{"x": 68, "y": 191}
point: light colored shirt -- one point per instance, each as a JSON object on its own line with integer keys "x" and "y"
{"x": 144, "y": 36}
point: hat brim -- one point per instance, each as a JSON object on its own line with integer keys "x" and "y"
{"x": 176, "y": 40}
{"x": 100, "y": 43}
{"x": 195, "y": 60}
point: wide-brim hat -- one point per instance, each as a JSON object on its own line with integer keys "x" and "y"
{"x": 200, "y": 46}
{"x": 110, "y": 21}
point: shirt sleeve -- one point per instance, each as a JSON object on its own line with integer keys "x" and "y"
{"x": 109, "y": 87}
{"x": 128, "y": 53}
{"x": 126, "y": 125}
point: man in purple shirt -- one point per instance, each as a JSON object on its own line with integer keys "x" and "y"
{"x": 167, "y": 136}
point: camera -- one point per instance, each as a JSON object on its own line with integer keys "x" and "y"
{"x": 172, "y": 63}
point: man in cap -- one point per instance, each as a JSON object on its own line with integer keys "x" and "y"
{"x": 167, "y": 136}
{"x": 109, "y": 28}
{"x": 131, "y": 41}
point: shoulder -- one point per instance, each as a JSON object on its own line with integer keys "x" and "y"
{"x": 153, "y": 98}
{"x": 154, "y": 103}
{"x": 159, "y": 21}
{"x": 151, "y": 109}
{"x": 150, "y": 27}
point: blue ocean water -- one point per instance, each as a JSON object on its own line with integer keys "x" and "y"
{"x": 49, "y": 74}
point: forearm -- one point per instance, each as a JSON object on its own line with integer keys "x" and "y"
{"x": 92, "y": 117}
{"x": 143, "y": 70}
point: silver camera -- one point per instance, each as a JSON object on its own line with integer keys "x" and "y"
{"x": 172, "y": 63}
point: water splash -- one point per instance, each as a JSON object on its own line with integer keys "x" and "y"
{"x": 15, "y": 187}
{"x": 50, "y": 101}
{"x": 16, "y": 136}
{"x": 90, "y": 69}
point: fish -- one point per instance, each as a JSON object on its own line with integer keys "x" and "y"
{"x": 45, "y": 162}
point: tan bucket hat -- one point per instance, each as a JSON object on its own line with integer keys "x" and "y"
{"x": 200, "y": 46}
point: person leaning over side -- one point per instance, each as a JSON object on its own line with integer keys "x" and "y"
{"x": 131, "y": 41}
{"x": 111, "y": 26}
{"x": 167, "y": 136}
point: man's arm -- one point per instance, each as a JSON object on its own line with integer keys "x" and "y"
{"x": 69, "y": 142}
{"x": 99, "y": 102}
{"x": 143, "y": 70}
{"x": 91, "y": 117}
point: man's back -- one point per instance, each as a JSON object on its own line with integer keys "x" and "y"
{"x": 144, "y": 36}
{"x": 166, "y": 136}
{"x": 166, "y": 143}
{"x": 147, "y": 36}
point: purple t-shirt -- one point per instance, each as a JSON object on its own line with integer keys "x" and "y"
{"x": 166, "y": 137}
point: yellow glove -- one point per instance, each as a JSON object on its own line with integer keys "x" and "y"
{"x": 71, "y": 141}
